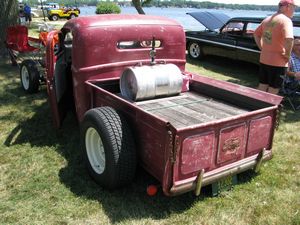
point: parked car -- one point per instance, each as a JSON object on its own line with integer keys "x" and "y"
{"x": 68, "y": 13}
{"x": 226, "y": 37}
{"x": 136, "y": 103}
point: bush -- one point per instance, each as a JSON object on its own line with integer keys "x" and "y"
{"x": 107, "y": 8}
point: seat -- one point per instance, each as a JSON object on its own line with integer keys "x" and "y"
{"x": 290, "y": 89}
{"x": 17, "y": 39}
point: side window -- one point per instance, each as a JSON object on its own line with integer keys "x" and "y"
{"x": 251, "y": 27}
{"x": 235, "y": 28}
{"x": 68, "y": 40}
{"x": 138, "y": 44}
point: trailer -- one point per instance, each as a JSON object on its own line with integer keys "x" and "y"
{"x": 136, "y": 104}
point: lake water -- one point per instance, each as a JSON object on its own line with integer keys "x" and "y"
{"x": 179, "y": 14}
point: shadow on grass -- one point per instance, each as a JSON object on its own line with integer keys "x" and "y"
{"x": 288, "y": 115}
{"x": 130, "y": 202}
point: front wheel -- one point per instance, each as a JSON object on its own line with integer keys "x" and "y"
{"x": 195, "y": 51}
{"x": 29, "y": 76}
{"x": 109, "y": 147}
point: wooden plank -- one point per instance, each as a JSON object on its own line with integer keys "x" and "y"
{"x": 190, "y": 109}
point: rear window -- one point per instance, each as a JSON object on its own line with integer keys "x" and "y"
{"x": 138, "y": 44}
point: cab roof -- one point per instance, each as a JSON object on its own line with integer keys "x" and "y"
{"x": 117, "y": 19}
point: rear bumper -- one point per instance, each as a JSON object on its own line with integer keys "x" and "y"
{"x": 215, "y": 175}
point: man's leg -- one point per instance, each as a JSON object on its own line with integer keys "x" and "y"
{"x": 29, "y": 19}
{"x": 263, "y": 84}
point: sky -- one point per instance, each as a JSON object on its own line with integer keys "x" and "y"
{"x": 252, "y": 2}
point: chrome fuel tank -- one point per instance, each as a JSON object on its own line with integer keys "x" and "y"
{"x": 147, "y": 82}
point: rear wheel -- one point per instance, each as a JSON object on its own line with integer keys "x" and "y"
{"x": 72, "y": 16}
{"x": 29, "y": 76}
{"x": 109, "y": 147}
{"x": 195, "y": 51}
{"x": 54, "y": 17}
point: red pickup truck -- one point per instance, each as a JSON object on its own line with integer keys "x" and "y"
{"x": 136, "y": 103}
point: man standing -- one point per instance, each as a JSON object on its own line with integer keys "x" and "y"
{"x": 27, "y": 13}
{"x": 274, "y": 37}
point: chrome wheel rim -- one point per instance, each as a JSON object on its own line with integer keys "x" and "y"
{"x": 194, "y": 50}
{"x": 95, "y": 150}
{"x": 25, "y": 77}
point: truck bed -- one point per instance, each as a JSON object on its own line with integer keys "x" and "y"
{"x": 216, "y": 128}
{"x": 190, "y": 108}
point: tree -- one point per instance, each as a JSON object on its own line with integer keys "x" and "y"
{"x": 8, "y": 16}
{"x": 138, "y": 5}
{"x": 107, "y": 8}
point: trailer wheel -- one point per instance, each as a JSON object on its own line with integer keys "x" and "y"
{"x": 194, "y": 50}
{"x": 29, "y": 76}
{"x": 109, "y": 147}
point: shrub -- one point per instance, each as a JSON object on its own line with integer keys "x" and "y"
{"x": 107, "y": 8}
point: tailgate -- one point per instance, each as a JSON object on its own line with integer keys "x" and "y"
{"x": 217, "y": 149}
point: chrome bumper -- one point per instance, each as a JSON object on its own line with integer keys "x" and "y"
{"x": 203, "y": 179}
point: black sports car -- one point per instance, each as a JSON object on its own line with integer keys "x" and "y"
{"x": 225, "y": 36}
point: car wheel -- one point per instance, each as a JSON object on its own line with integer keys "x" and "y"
{"x": 195, "y": 51}
{"x": 109, "y": 147}
{"x": 54, "y": 17}
{"x": 29, "y": 76}
{"x": 72, "y": 16}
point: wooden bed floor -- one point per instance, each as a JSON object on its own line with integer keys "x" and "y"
{"x": 190, "y": 108}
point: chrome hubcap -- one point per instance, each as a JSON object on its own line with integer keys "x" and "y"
{"x": 95, "y": 150}
{"x": 194, "y": 50}
{"x": 25, "y": 77}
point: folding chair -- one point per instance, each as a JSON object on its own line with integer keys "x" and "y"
{"x": 290, "y": 89}
{"x": 17, "y": 42}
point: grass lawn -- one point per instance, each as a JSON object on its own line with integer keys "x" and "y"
{"x": 43, "y": 179}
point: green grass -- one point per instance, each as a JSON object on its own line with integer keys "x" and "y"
{"x": 43, "y": 179}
